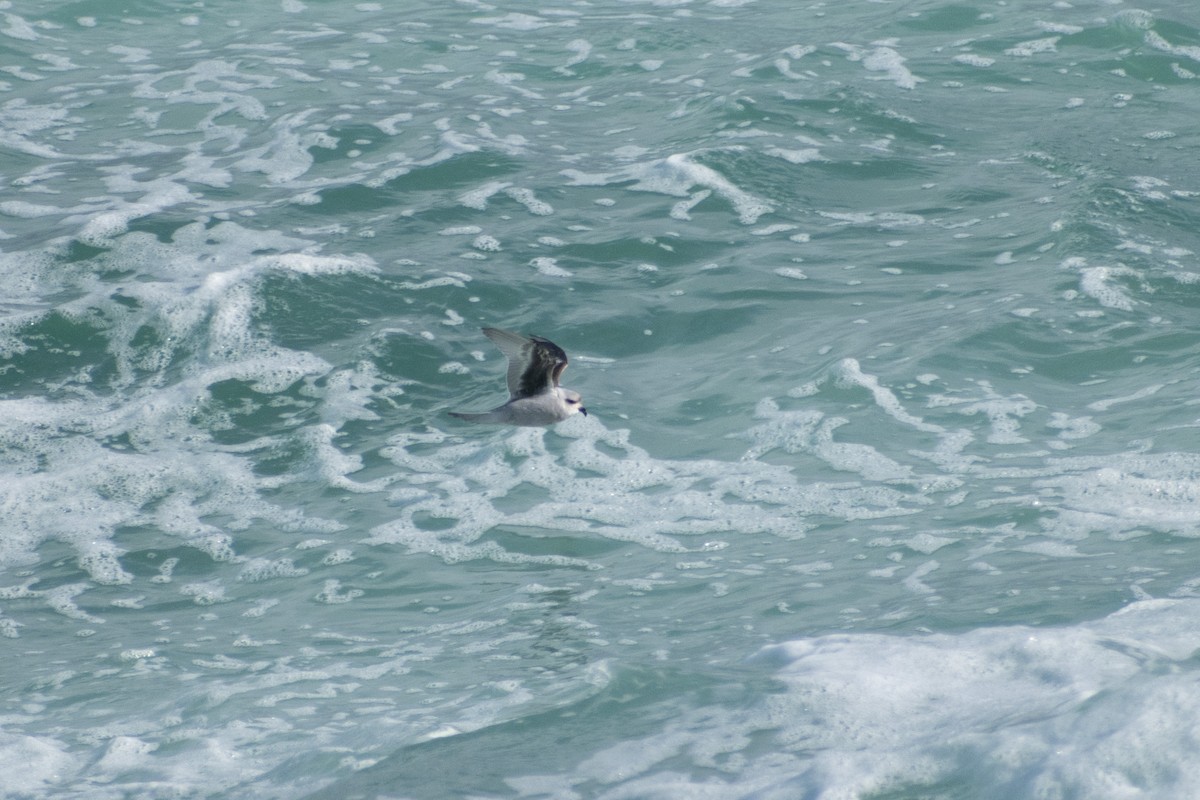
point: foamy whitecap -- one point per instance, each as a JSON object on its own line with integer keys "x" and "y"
{"x": 1095, "y": 282}
{"x": 1147, "y": 493}
{"x": 676, "y": 175}
{"x": 1159, "y": 42}
{"x": 100, "y": 229}
{"x": 1073, "y": 427}
{"x": 33, "y": 764}
{"x": 518, "y": 21}
{"x": 332, "y": 593}
{"x": 580, "y": 50}
{"x": 27, "y": 210}
{"x": 61, "y": 599}
{"x": 708, "y": 498}
{"x": 682, "y": 209}
{"x": 261, "y": 569}
{"x": 478, "y": 198}
{"x": 885, "y": 59}
{"x": 1140, "y": 394}
{"x": 884, "y": 219}
{"x": 974, "y": 60}
{"x": 792, "y": 273}
{"x": 486, "y": 243}
{"x": 971, "y": 711}
{"x": 1033, "y": 47}
{"x": 527, "y": 198}
{"x": 77, "y": 491}
{"x": 854, "y": 714}
{"x": 812, "y": 433}
{"x": 803, "y": 156}
{"x": 549, "y": 266}
{"x": 205, "y": 593}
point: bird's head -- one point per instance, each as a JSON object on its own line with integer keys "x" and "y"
{"x": 574, "y": 402}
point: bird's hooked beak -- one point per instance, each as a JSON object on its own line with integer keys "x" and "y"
{"x": 583, "y": 411}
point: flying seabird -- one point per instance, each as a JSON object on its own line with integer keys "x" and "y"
{"x": 534, "y": 396}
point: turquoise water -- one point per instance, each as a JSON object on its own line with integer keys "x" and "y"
{"x": 885, "y": 314}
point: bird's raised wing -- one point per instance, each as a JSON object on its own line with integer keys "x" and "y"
{"x": 534, "y": 363}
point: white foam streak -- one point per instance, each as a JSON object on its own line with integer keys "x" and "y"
{"x": 812, "y": 433}
{"x": 478, "y": 198}
{"x": 850, "y": 373}
{"x": 16, "y": 27}
{"x": 231, "y": 92}
{"x": 33, "y": 765}
{"x": 330, "y": 465}
{"x": 89, "y": 467}
{"x": 518, "y": 21}
{"x": 1096, "y": 283}
{"x": 676, "y": 175}
{"x": 1141, "y": 394}
{"x": 998, "y": 695}
{"x": 882, "y": 58}
{"x": 1146, "y": 493}
{"x": 1034, "y": 47}
{"x": 101, "y": 229}
{"x": 469, "y": 490}
{"x": 1158, "y": 42}
{"x": 288, "y": 155}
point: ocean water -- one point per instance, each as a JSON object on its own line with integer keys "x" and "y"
{"x": 886, "y": 315}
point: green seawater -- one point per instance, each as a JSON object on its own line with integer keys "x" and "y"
{"x": 885, "y": 314}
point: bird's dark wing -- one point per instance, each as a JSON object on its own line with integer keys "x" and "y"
{"x": 547, "y": 363}
{"x": 534, "y": 363}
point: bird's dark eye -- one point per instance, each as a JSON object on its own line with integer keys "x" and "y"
{"x": 572, "y": 402}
